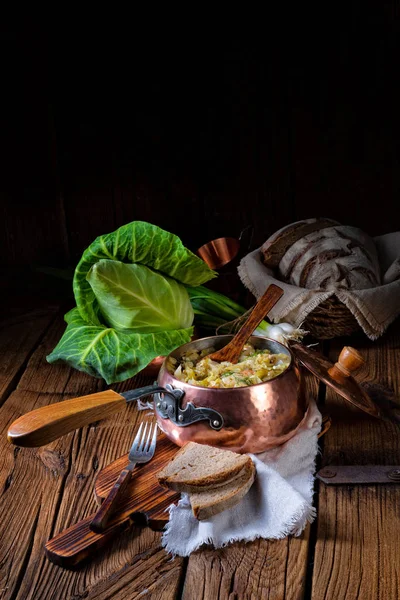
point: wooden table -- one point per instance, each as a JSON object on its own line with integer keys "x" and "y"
{"x": 352, "y": 550}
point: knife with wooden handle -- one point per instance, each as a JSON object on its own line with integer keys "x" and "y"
{"x": 44, "y": 425}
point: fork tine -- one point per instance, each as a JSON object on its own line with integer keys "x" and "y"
{"x": 136, "y": 441}
{"x": 154, "y": 439}
{"x": 143, "y": 439}
{"x": 144, "y": 444}
{"x": 147, "y": 446}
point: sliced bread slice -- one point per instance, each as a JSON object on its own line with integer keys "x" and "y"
{"x": 193, "y": 488}
{"x": 210, "y": 503}
{"x": 197, "y": 467}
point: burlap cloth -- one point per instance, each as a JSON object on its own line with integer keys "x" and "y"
{"x": 374, "y": 308}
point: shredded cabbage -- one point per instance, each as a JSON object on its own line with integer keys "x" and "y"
{"x": 254, "y": 366}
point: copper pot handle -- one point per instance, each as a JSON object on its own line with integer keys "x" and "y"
{"x": 167, "y": 406}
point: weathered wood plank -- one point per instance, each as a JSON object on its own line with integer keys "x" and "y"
{"x": 149, "y": 576}
{"x": 275, "y": 205}
{"x": 261, "y": 569}
{"x": 18, "y": 338}
{"x": 339, "y": 164}
{"x": 47, "y": 489}
{"x": 358, "y": 541}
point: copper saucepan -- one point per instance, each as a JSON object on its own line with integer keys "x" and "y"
{"x": 256, "y": 417}
{"x": 246, "y": 419}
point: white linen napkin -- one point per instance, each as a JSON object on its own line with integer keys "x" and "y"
{"x": 278, "y": 504}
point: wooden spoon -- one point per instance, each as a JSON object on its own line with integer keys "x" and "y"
{"x": 232, "y": 351}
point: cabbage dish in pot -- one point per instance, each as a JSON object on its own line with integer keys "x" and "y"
{"x": 254, "y": 366}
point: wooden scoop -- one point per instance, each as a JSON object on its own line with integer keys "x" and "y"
{"x": 232, "y": 351}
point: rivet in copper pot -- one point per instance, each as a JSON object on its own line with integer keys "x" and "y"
{"x": 394, "y": 475}
{"x": 180, "y": 418}
{"x": 328, "y": 473}
{"x": 215, "y": 423}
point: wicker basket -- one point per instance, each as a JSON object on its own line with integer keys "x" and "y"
{"x": 331, "y": 319}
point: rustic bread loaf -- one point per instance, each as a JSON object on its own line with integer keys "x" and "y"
{"x": 197, "y": 467}
{"x": 277, "y": 244}
{"x": 209, "y": 503}
{"x": 332, "y": 258}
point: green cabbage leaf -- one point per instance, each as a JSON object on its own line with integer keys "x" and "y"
{"x": 131, "y": 302}
{"x": 133, "y": 298}
{"x": 142, "y": 243}
{"x": 113, "y": 355}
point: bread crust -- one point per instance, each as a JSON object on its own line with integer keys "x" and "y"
{"x": 206, "y": 484}
{"x": 277, "y": 244}
{"x": 340, "y": 256}
{"x": 196, "y": 484}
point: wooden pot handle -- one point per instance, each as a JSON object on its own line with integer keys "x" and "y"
{"x": 48, "y": 423}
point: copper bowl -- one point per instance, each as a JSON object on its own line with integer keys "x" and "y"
{"x": 246, "y": 419}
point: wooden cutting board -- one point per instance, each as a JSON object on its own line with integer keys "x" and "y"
{"x": 144, "y": 503}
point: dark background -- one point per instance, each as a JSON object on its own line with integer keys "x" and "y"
{"x": 202, "y": 133}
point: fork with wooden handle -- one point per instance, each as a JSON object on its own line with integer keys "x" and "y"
{"x": 142, "y": 451}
